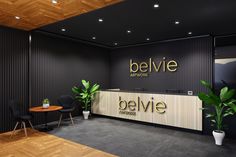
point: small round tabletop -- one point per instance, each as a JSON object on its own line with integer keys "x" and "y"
{"x": 41, "y": 109}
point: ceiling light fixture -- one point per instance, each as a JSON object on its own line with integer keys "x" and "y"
{"x": 54, "y": 1}
{"x": 148, "y": 39}
{"x": 128, "y": 31}
{"x": 156, "y": 5}
{"x": 17, "y": 17}
{"x": 115, "y": 43}
{"x": 93, "y": 38}
{"x": 63, "y": 29}
{"x": 189, "y": 33}
{"x": 100, "y": 20}
{"x": 177, "y": 22}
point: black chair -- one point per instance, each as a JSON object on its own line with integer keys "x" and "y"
{"x": 19, "y": 117}
{"x": 67, "y": 102}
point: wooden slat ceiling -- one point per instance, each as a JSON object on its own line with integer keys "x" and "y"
{"x": 36, "y": 13}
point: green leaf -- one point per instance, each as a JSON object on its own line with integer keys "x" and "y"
{"x": 215, "y": 98}
{"x": 76, "y": 90}
{"x": 94, "y": 88}
{"x": 77, "y": 97}
{"x": 206, "y": 84}
{"x": 85, "y": 84}
{"x": 228, "y": 109}
{"x": 223, "y": 92}
{"x": 207, "y": 99}
{"x": 88, "y": 85}
{"x": 228, "y": 114}
{"x": 84, "y": 95}
{"x": 213, "y": 121}
{"x": 81, "y": 94}
{"x": 84, "y": 90}
{"x": 209, "y": 115}
{"x": 226, "y": 94}
{"x": 202, "y": 108}
{"x": 233, "y": 101}
{"x": 232, "y": 106}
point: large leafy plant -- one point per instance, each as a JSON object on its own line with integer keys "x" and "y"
{"x": 85, "y": 94}
{"x": 222, "y": 103}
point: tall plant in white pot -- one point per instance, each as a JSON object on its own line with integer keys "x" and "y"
{"x": 85, "y": 95}
{"x": 223, "y": 105}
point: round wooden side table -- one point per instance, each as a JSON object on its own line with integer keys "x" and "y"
{"x": 40, "y": 109}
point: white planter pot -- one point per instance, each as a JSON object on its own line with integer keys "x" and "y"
{"x": 86, "y": 114}
{"x": 219, "y": 137}
{"x": 46, "y": 105}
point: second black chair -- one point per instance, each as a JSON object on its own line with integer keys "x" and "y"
{"x": 19, "y": 117}
{"x": 67, "y": 102}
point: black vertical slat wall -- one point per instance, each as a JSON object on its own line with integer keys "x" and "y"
{"x": 195, "y": 63}
{"x": 13, "y": 73}
{"x": 57, "y": 64}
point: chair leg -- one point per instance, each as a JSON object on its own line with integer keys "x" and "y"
{"x": 25, "y": 129}
{"x": 59, "y": 120}
{"x": 14, "y": 128}
{"x": 21, "y": 125}
{"x": 30, "y": 124}
{"x": 71, "y": 119}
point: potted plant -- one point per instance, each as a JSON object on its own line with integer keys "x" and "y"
{"x": 223, "y": 105}
{"x": 46, "y": 103}
{"x": 85, "y": 95}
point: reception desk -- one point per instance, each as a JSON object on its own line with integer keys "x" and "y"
{"x": 173, "y": 110}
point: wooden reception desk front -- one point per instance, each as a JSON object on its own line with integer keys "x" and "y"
{"x": 173, "y": 110}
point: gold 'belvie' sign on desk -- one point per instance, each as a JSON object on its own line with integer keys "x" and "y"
{"x": 173, "y": 110}
{"x": 131, "y": 106}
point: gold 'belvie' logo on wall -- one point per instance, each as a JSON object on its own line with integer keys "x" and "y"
{"x": 142, "y": 69}
{"x": 131, "y": 107}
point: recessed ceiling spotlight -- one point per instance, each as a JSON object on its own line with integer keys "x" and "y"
{"x": 128, "y": 31}
{"x": 147, "y": 39}
{"x": 17, "y": 17}
{"x": 63, "y": 29}
{"x": 176, "y": 22}
{"x": 54, "y": 1}
{"x": 190, "y": 33}
{"x": 115, "y": 43}
{"x": 93, "y": 38}
{"x": 100, "y": 20}
{"x": 156, "y": 5}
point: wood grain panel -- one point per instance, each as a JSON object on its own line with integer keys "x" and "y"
{"x": 101, "y": 106}
{"x": 113, "y": 98}
{"x": 40, "y": 144}
{"x": 142, "y": 115}
{"x": 181, "y": 111}
{"x": 36, "y": 13}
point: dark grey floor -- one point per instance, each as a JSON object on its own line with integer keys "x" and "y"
{"x": 129, "y": 139}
